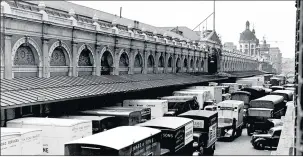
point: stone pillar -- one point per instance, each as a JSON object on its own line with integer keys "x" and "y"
{"x": 98, "y": 61}
{"x": 8, "y": 57}
{"x": 166, "y": 57}
{"x": 174, "y": 66}
{"x": 75, "y": 60}
{"x": 157, "y": 56}
{"x": 145, "y": 58}
{"x": 131, "y": 62}
{"x": 205, "y": 65}
{"x": 46, "y": 62}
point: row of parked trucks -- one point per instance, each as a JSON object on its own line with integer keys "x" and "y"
{"x": 187, "y": 123}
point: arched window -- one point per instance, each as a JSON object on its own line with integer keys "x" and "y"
{"x": 138, "y": 61}
{"x": 191, "y": 63}
{"x": 185, "y": 63}
{"x": 25, "y": 56}
{"x": 58, "y": 57}
{"x": 85, "y": 58}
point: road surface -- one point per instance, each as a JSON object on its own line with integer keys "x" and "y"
{"x": 240, "y": 146}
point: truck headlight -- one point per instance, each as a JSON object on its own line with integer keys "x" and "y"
{"x": 195, "y": 144}
{"x": 196, "y": 153}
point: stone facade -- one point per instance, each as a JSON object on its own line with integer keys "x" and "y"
{"x": 276, "y": 59}
{"x": 37, "y": 44}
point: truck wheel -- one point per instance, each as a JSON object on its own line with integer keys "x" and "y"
{"x": 261, "y": 145}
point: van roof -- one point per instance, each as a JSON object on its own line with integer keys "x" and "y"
{"x": 187, "y": 97}
{"x": 112, "y": 112}
{"x": 18, "y": 130}
{"x": 147, "y": 100}
{"x": 273, "y": 98}
{"x": 196, "y": 89}
{"x": 119, "y": 137}
{"x": 232, "y": 102}
{"x": 84, "y": 117}
{"x": 47, "y": 121}
{"x": 200, "y": 113}
{"x": 166, "y": 122}
{"x": 289, "y": 92}
{"x": 242, "y": 92}
{"x": 189, "y": 91}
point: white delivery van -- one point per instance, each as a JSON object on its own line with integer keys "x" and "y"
{"x": 10, "y": 144}
{"x": 55, "y": 132}
{"x": 232, "y": 86}
{"x": 215, "y": 91}
{"x": 31, "y": 141}
{"x": 200, "y": 94}
{"x": 158, "y": 107}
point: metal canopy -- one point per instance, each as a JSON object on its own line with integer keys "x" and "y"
{"x": 34, "y": 91}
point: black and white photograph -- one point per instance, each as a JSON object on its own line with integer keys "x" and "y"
{"x": 151, "y": 78}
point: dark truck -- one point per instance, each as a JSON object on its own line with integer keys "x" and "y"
{"x": 180, "y": 104}
{"x": 177, "y": 135}
{"x": 274, "y": 81}
{"x": 205, "y": 130}
{"x": 256, "y": 92}
{"x": 262, "y": 109}
{"x": 245, "y": 97}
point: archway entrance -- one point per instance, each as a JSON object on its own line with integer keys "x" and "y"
{"x": 178, "y": 65}
{"x": 213, "y": 62}
{"x": 106, "y": 63}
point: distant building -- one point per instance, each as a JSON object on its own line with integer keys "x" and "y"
{"x": 288, "y": 66}
{"x": 230, "y": 46}
{"x": 249, "y": 43}
{"x": 276, "y": 58}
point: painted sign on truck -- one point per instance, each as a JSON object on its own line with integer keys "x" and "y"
{"x": 55, "y": 132}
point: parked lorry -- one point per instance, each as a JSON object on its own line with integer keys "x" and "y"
{"x": 145, "y": 111}
{"x": 120, "y": 141}
{"x": 177, "y": 134}
{"x": 270, "y": 139}
{"x": 158, "y": 107}
{"x": 245, "y": 97}
{"x": 125, "y": 117}
{"x": 99, "y": 123}
{"x": 205, "y": 130}
{"x": 255, "y": 92}
{"x": 55, "y": 132}
{"x": 30, "y": 140}
{"x": 274, "y": 81}
{"x": 287, "y": 94}
{"x": 232, "y": 86}
{"x": 10, "y": 144}
{"x": 215, "y": 91}
{"x": 200, "y": 94}
{"x": 230, "y": 119}
{"x": 262, "y": 109}
{"x": 180, "y": 104}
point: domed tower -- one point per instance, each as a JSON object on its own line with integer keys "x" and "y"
{"x": 248, "y": 41}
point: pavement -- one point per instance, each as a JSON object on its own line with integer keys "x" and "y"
{"x": 240, "y": 146}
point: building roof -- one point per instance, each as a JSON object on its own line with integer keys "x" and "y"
{"x": 90, "y": 12}
{"x": 187, "y": 33}
{"x": 248, "y": 35}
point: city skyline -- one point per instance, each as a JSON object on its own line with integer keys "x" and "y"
{"x": 165, "y": 13}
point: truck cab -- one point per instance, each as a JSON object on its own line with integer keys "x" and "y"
{"x": 180, "y": 104}
{"x": 270, "y": 139}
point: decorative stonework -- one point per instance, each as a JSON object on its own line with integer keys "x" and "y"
{"x": 24, "y": 56}
{"x": 85, "y": 56}
{"x": 58, "y": 58}
{"x": 124, "y": 60}
{"x": 32, "y": 43}
{"x": 64, "y": 48}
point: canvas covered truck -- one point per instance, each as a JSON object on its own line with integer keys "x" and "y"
{"x": 55, "y": 131}
{"x": 274, "y": 81}
{"x": 177, "y": 134}
{"x": 215, "y": 91}
{"x": 200, "y": 94}
{"x": 255, "y": 92}
{"x": 145, "y": 111}
{"x": 180, "y": 104}
{"x": 120, "y": 141}
{"x": 287, "y": 94}
{"x": 125, "y": 117}
{"x": 230, "y": 119}
{"x": 273, "y": 88}
{"x": 205, "y": 130}
{"x": 262, "y": 109}
{"x": 245, "y": 97}
{"x": 158, "y": 107}
{"x": 30, "y": 140}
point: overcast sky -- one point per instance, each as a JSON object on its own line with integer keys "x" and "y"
{"x": 274, "y": 19}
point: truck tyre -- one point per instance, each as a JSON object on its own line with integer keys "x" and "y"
{"x": 260, "y": 145}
